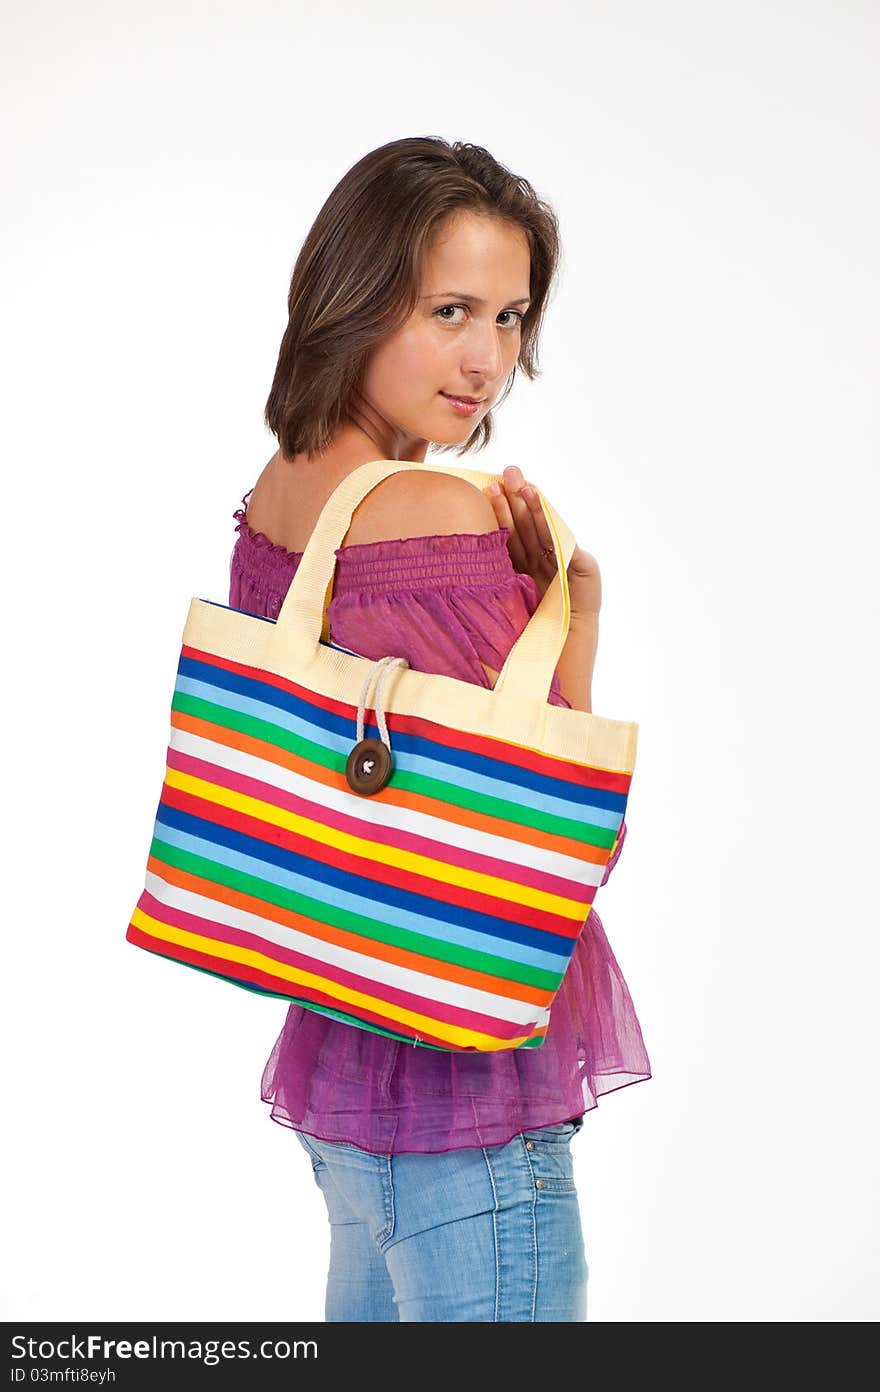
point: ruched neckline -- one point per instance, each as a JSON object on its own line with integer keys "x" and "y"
{"x": 472, "y": 558}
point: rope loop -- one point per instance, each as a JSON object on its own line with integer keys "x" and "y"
{"x": 380, "y": 668}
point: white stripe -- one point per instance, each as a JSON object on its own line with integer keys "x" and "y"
{"x": 387, "y": 814}
{"x": 429, "y": 764}
{"x": 520, "y": 1013}
{"x": 358, "y": 901}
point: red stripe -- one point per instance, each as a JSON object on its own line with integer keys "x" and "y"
{"x": 219, "y": 893}
{"x": 463, "y": 1016}
{"x": 242, "y": 972}
{"x": 417, "y": 802}
{"x": 370, "y": 871}
{"x": 507, "y": 752}
{"x": 397, "y": 837}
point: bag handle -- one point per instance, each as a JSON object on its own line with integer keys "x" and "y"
{"x": 528, "y": 670}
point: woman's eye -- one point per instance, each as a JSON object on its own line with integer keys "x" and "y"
{"x": 441, "y": 313}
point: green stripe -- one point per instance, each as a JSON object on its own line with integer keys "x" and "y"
{"x": 501, "y": 809}
{"x": 435, "y": 789}
{"x": 264, "y": 730}
{"x": 360, "y": 924}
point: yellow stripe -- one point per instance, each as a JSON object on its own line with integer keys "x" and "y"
{"x": 377, "y": 850}
{"x": 166, "y": 932}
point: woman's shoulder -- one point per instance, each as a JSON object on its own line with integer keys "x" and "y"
{"x": 279, "y": 514}
{"x": 441, "y": 536}
{"x": 420, "y": 502}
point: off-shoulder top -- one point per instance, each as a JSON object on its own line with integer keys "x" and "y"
{"x": 447, "y": 603}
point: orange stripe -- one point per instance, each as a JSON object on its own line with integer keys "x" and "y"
{"x": 539, "y": 760}
{"x": 341, "y": 937}
{"x": 414, "y": 802}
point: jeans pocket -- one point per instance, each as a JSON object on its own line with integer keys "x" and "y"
{"x": 549, "y": 1152}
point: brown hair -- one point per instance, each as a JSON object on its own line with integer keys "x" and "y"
{"x": 357, "y": 276}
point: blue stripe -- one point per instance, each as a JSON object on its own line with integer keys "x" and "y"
{"x": 325, "y": 883}
{"x": 426, "y": 765}
{"x": 310, "y": 718}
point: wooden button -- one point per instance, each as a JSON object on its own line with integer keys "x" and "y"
{"x": 368, "y": 766}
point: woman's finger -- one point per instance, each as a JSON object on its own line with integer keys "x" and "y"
{"x": 501, "y": 504}
{"x": 543, "y": 538}
{"x": 532, "y": 529}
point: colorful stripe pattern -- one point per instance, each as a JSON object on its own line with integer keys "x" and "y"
{"x": 442, "y": 910}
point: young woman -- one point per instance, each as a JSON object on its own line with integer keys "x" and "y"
{"x": 418, "y": 292}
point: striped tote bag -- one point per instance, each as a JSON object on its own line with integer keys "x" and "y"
{"x": 405, "y": 852}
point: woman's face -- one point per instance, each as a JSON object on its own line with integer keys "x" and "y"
{"x": 452, "y": 345}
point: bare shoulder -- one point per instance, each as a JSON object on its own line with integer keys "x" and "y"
{"x": 421, "y": 503}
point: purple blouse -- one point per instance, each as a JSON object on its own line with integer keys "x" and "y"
{"x": 446, "y": 604}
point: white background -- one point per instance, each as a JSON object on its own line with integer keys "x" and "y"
{"x": 706, "y": 424}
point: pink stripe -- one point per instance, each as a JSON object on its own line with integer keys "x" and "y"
{"x": 515, "y": 872}
{"x": 434, "y": 1010}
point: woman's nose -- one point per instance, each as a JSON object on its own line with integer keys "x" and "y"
{"x": 485, "y": 356}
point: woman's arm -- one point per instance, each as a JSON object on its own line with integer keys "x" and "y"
{"x": 517, "y": 507}
{"x": 575, "y": 666}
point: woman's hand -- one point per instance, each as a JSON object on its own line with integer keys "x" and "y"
{"x": 531, "y": 546}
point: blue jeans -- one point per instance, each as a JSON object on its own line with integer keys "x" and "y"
{"x": 489, "y": 1233}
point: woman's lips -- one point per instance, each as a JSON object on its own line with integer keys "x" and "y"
{"x": 462, "y": 406}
